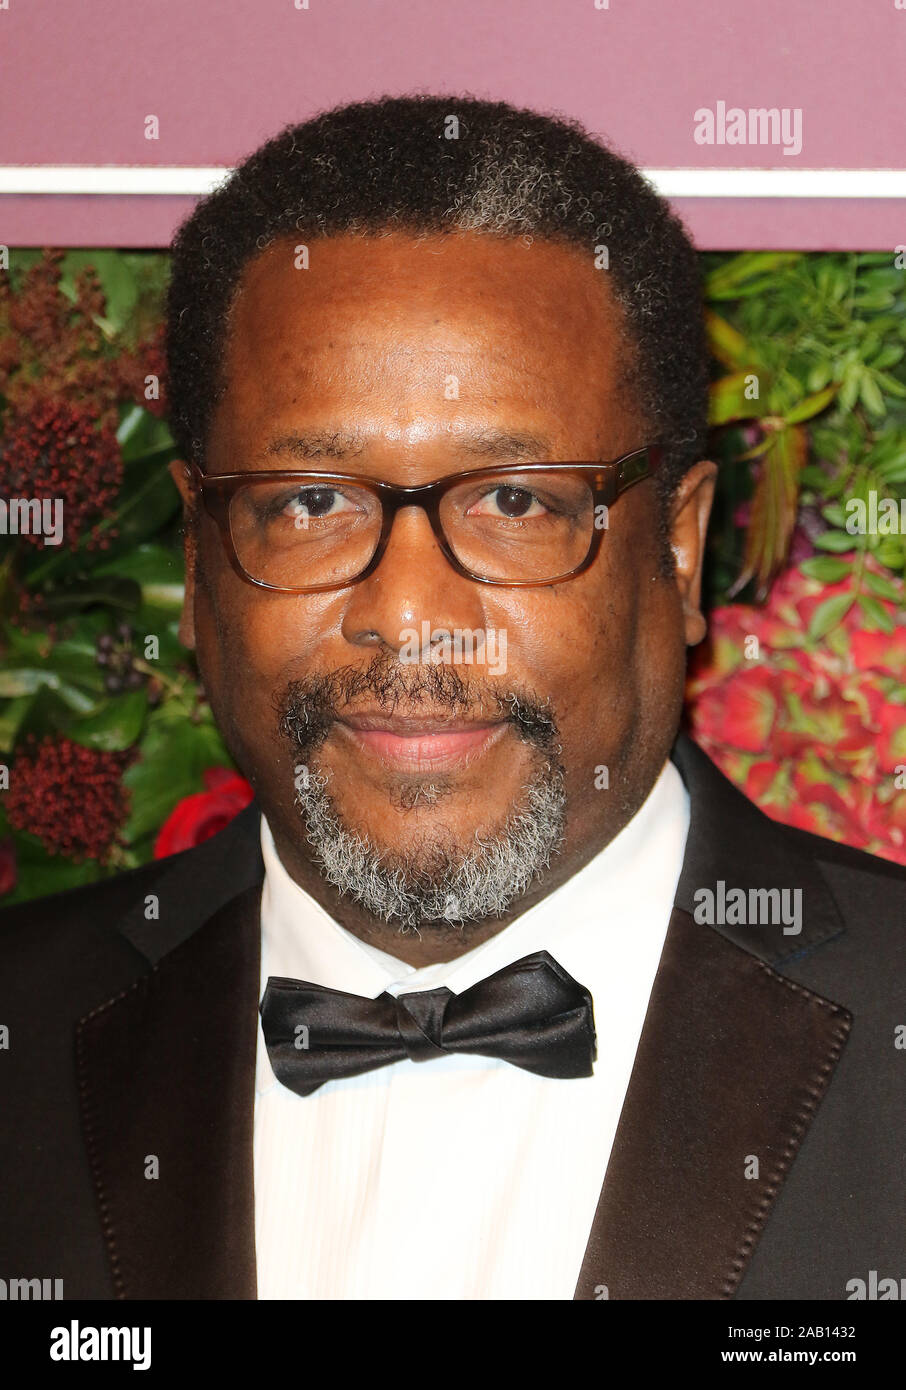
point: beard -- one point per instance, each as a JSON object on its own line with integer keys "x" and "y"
{"x": 439, "y": 882}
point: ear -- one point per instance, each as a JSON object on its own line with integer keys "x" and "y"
{"x": 690, "y": 508}
{"x": 182, "y": 477}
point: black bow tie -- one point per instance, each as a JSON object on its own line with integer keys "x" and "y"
{"x": 532, "y": 1014}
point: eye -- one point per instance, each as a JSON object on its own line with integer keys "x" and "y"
{"x": 313, "y": 504}
{"x": 510, "y": 501}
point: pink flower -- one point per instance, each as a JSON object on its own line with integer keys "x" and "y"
{"x": 810, "y": 730}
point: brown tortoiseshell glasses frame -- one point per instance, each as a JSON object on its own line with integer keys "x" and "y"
{"x": 607, "y": 480}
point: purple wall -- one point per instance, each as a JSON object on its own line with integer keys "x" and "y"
{"x": 77, "y": 81}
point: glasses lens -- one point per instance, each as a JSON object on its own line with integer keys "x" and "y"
{"x": 531, "y": 526}
{"x": 296, "y": 534}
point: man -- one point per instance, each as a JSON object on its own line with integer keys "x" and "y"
{"x": 440, "y": 1014}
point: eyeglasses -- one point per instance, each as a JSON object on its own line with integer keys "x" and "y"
{"x": 516, "y": 525}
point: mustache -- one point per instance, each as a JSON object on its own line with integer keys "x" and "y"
{"x": 307, "y": 707}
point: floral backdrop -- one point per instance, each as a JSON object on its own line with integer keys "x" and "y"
{"x": 109, "y": 755}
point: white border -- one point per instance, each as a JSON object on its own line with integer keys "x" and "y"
{"x": 184, "y": 181}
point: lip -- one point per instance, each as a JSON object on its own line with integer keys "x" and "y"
{"x": 419, "y": 744}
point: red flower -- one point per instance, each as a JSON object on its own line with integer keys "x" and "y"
{"x": 196, "y": 818}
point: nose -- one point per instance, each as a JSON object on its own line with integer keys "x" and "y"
{"x": 414, "y": 584}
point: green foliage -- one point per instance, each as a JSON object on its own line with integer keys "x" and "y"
{"x": 59, "y": 606}
{"x": 824, "y": 338}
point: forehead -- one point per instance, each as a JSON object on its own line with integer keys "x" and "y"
{"x": 408, "y": 323}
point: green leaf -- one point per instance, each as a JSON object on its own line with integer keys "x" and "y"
{"x": 819, "y": 376}
{"x": 144, "y": 437}
{"x": 174, "y": 753}
{"x": 884, "y": 588}
{"x": 728, "y": 278}
{"x": 811, "y": 405}
{"x": 870, "y": 395}
{"x": 814, "y": 478}
{"x": 891, "y": 385}
{"x": 828, "y": 570}
{"x": 889, "y": 356}
{"x": 828, "y": 614}
{"x": 728, "y": 400}
{"x": 836, "y": 541}
{"x": 39, "y": 873}
{"x": 890, "y": 552}
{"x": 116, "y": 278}
{"x": 876, "y": 613}
{"x": 116, "y": 725}
{"x": 19, "y": 681}
{"x": 10, "y": 718}
{"x": 726, "y": 342}
{"x": 74, "y": 596}
{"x": 148, "y": 499}
{"x": 147, "y": 564}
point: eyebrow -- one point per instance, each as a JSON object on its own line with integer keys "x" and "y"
{"x": 343, "y": 444}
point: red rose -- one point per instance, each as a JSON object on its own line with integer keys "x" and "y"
{"x": 196, "y": 818}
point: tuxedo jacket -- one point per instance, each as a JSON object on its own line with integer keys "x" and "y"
{"x": 760, "y": 1149}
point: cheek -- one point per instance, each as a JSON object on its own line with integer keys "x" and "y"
{"x": 247, "y": 640}
{"x": 610, "y": 655}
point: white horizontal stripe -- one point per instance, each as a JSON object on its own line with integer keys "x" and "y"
{"x": 779, "y": 183}
{"x": 162, "y": 180}
{"x": 109, "y": 179}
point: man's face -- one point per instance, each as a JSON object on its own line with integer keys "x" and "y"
{"x": 424, "y": 351}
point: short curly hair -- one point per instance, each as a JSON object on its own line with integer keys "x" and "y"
{"x": 390, "y": 163}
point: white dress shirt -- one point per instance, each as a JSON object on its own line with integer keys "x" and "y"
{"x": 460, "y": 1177}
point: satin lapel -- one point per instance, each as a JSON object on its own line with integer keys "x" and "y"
{"x": 732, "y": 1064}
{"x": 166, "y": 1077}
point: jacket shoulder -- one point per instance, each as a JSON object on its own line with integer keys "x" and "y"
{"x": 189, "y": 887}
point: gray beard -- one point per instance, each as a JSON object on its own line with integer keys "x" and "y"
{"x": 439, "y": 883}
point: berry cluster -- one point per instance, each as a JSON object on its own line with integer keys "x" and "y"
{"x": 52, "y": 449}
{"x": 47, "y": 337}
{"x": 115, "y": 653}
{"x": 71, "y": 797}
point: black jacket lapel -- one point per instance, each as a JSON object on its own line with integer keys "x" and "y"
{"x": 732, "y": 1064}
{"x": 166, "y": 1080}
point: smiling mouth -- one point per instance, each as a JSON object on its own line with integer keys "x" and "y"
{"x": 419, "y": 744}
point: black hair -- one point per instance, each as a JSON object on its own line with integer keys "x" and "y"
{"x": 432, "y": 164}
